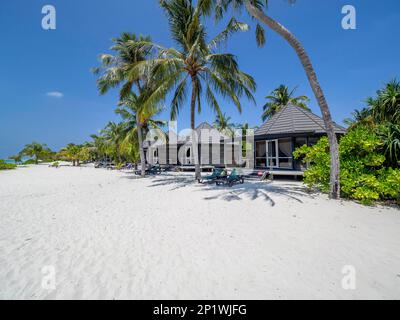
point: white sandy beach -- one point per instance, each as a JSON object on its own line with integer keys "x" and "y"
{"x": 109, "y": 235}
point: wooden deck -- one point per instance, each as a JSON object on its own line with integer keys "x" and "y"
{"x": 286, "y": 173}
{"x": 192, "y": 168}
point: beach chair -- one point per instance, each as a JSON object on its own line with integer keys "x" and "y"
{"x": 153, "y": 170}
{"x": 216, "y": 174}
{"x": 99, "y": 165}
{"x": 230, "y": 180}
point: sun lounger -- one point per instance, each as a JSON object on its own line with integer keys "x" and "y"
{"x": 230, "y": 180}
{"x": 216, "y": 174}
{"x": 153, "y": 170}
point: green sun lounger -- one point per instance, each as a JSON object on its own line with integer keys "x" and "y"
{"x": 232, "y": 179}
{"x": 152, "y": 170}
{"x": 216, "y": 174}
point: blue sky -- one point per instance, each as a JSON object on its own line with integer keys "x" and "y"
{"x": 49, "y": 95}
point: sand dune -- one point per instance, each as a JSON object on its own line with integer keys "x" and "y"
{"x": 108, "y": 235}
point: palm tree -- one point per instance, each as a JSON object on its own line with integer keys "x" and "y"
{"x": 116, "y": 70}
{"x": 17, "y": 158}
{"x": 99, "y": 145}
{"x": 71, "y": 153}
{"x": 194, "y": 65}
{"x": 135, "y": 117}
{"x": 255, "y": 9}
{"x": 390, "y": 134}
{"x": 386, "y": 106}
{"x": 223, "y": 124}
{"x": 280, "y": 98}
{"x": 362, "y": 116}
{"x": 114, "y": 134}
{"x": 36, "y": 151}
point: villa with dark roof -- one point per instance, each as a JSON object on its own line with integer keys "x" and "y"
{"x": 179, "y": 148}
{"x": 288, "y": 129}
{"x": 274, "y": 143}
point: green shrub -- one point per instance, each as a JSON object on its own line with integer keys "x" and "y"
{"x": 363, "y": 175}
{"x": 28, "y": 162}
{"x": 55, "y": 164}
{"x": 119, "y": 166}
{"x": 6, "y": 166}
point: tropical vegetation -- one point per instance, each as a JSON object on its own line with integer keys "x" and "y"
{"x": 224, "y": 125}
{"x": 281, "y": 97}
{"x": 117, "y": 70}
{"x": 6, "y": 166}
{"x": 194, "y": 67}
{"x": 17, "y": 158}
{"x": 257, "y": 9}
{"x": 369, "y": 152}
{"x": 37, "y": 152}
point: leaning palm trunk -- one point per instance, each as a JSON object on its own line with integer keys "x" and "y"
{"x": 312, "y": 77}
{"x": 141, "y": 151}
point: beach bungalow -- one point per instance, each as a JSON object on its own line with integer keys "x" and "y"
{"x": 279, "y": 136}
{"x": 178, "y": 150}
{"x": 274, "y": 143}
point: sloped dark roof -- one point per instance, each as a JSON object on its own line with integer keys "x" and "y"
{"x": 204, "y": 125}
{"x": 293, "y": 119}
{"x": 199, "y": 128}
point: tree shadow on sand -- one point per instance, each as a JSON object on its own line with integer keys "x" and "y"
{"x": 165, "y": 179}
{"x": 250, "y": 190}
{"x": 258, "y": 189}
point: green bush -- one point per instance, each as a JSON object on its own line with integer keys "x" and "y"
{"x": 363, "y": 176}
{"x": 6, "y": 166}
{"x": 119, "y": 166}
{"x": 55, "y": 164}
{"x": 28, "y": 162}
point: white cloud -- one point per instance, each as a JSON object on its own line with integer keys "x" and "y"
{"x": 55, "y": 94}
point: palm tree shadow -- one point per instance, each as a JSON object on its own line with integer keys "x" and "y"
{"x": 251, "y": 190}
{"x": 256, "y": 190}
{"x": 177, "y": 182}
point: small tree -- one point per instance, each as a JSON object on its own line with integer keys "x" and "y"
{"x": 37, "y": 151}
{"x": 17, "y": 159}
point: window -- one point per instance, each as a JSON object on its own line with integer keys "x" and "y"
{"x": 285, "y": 153}
{"x": 299, "y": 142}
{"x": 261, "y": 154}
{"x": 312, "y": 141}
{"x": 261, "y": 149}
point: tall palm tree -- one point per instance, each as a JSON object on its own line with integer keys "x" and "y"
{"x": 361, "y": 116}
{"x": 116, "y": 70}
{"x": 194, "y": 65}
{"x": 114, "y": 134}
{"x": 135, "y": 117}
{"x": 35, "y": 150}
{"x": 256, "y": 10}
{"x": 280, "y": 98}
{"x": 223, "y": 124}
{"x": 386, "y": 106}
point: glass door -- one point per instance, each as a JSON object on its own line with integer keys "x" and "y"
{"x": 272, "y": 154}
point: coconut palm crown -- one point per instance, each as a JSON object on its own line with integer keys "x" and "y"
{"x": 195, "y": 67}
{"x": 280, "y": 98}
{"x": 257, "y": 10}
